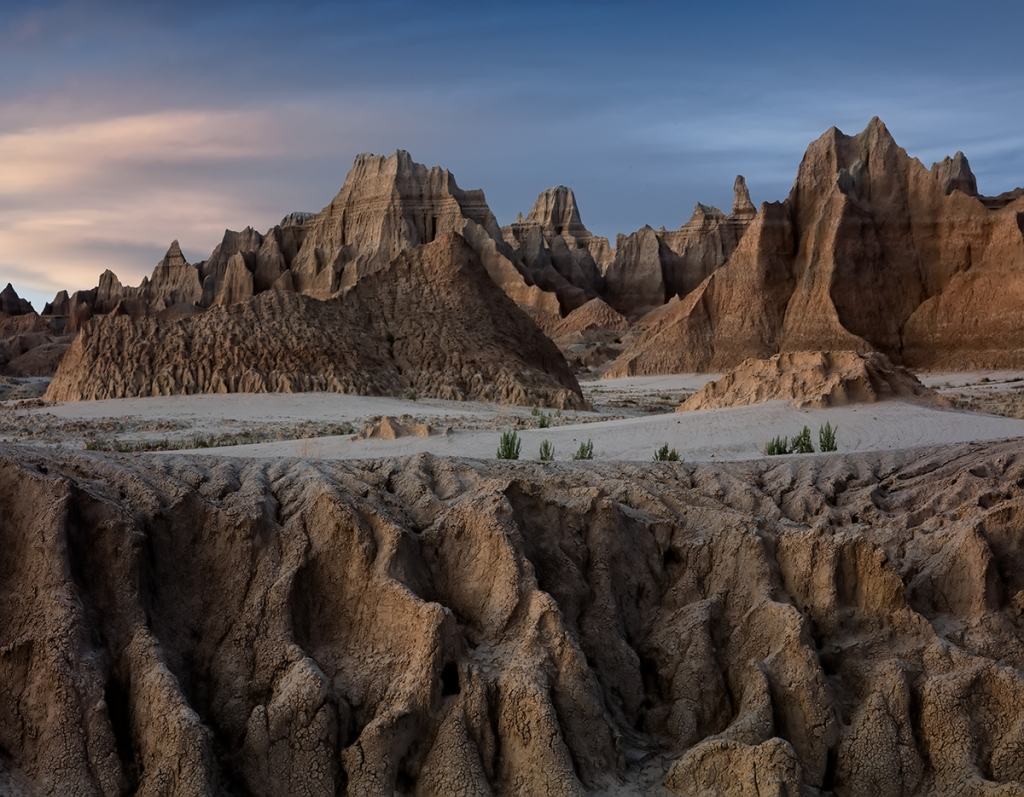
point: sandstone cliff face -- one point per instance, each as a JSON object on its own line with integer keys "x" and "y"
{"x": 431, "y": 321}
{"x": 869, "y": 251}
{"x": 186, "y": 626}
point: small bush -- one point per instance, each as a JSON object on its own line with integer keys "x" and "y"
{"x": 535, "y": 411}
{"x": 780, "y": 445}
{"x": 547, "y": 452}
{"x": 544, "y": 421}
{"x": 411, "y": 395}
{"x": 586, "y": 451}
{"x": 827, "y": 437}
{"x": 509, "y": 446}
{"x": 802, "y": 442}
{"x": 664, "y": 454}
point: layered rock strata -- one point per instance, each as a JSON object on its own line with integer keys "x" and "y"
{"x": 835, "y": 625}
{"x": 431, "y": 321}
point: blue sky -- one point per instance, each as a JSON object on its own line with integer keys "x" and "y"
{"x": 125, "y": 125}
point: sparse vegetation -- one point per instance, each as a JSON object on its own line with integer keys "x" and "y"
{"x": 547, "y": 452}
{"x": 585, "y": 451}
{"x": 827, "y": 438}
{"x": 665, "y": 454}
{"x": 544, "y": 421}
{"x": 802, "y": 444}
{"x": 535, "y": 411}
{"x": 778, "y": 445}
{"x": 411, "y": 395}
{"x": 510, "y": 445}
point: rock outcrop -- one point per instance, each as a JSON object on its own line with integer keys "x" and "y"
{"x": 11, "y": 304}
{"x": 812, "y": 379}
{"x": 642, "y": 272}
{"x": 431, "y": 321}
{"x": 870, "y": 251}
{"x": 185, "y": 625}
{"x": 387, "y": 206}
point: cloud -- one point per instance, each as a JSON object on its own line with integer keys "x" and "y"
{"x": 46, "y": 159}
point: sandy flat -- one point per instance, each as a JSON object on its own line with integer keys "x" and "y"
{"x": 707, "y": 435}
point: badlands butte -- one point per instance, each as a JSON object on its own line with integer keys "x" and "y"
{"x": 396, "y": 612}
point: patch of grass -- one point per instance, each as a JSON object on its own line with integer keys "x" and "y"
{"x": 547, "y": 452}
{"x": 585, "y": 451}
{"x": 535, "y": 411}
{"x": 509, "y": 446}
{"x": 665, "y": 454}
{"x": 778, "y": 445}
{"x": 827, "y": 438}
{"x": 544, "y": 421}
{"x": 801, "y": 444}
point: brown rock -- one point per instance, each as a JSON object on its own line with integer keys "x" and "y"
{"x": 812, "y": 379}
{"x": 11, "y": 304}
{"x": 869, "y": 251}
{"x": 431, "y": 321}
{"x": 439, "y": 626}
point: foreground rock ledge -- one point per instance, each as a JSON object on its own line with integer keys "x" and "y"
{"x": 431, "y": 626}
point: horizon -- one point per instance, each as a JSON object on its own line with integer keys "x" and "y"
{"x": 124, "y": 128}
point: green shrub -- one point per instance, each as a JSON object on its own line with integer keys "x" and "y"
{"x": 827, "y": 437}
{"x": 547, "y": 452}
{"x": 544, "y": 421}
{"x": 586, "y": 451}
{"x": 664, "y": 454}
{"x": 509, "y": 446}
{"x": 780, "y": 445}
{"x": 535, "y": 411}
{"x": 802, "y": 442}
{"x": 411, "y": 395}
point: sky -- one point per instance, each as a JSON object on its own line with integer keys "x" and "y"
{"x": 126, "y": 125}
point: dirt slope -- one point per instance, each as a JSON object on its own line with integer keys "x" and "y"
{"x": 186, "y": 626}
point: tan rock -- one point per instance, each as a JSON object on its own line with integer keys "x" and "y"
{"x": 812, "y": 379}
{"x": 442, "y": 626}
{"x": 432, "y": 321}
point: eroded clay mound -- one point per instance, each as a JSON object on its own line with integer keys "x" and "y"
{"x": 812, "y": 379}
{"x": 431, "y": 322}
{"x": 389, "y": 428}
{"x": 593, "y": 316}
{"x": 190, "y": 626}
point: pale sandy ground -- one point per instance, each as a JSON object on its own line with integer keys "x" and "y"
{"x": 708, "y": 435}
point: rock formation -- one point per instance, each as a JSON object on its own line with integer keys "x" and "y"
{"x": 644, "y": 270}
{"x": 185, "y": 625}
{"x": 386, "y": 206}
{"x": 11, "y": 304}
{"x": 870, "y": 251}
{"x": 812, "y": 379}
{"x": 431, "y": 321}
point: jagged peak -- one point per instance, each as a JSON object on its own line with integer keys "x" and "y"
{"x": 741, "y": 204}
{"x": 954, "y": 174}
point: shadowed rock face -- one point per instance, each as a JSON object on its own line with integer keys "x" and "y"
{"x": 869, "y": 251}
{"x": 431, "y": 321}
{"x": 179, "y": 625}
